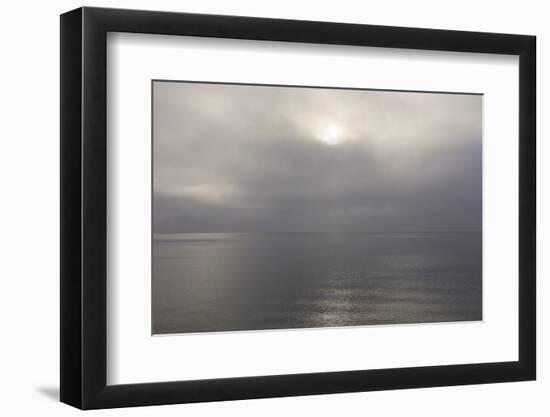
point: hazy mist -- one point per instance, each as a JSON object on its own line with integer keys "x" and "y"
{"x": 240, "y": 158}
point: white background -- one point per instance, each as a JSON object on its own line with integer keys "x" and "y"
{"x": 134, "y": 356}
{"x": 29, "y": 219}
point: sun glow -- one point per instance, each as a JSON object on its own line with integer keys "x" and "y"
{"x": 331, "y": 135}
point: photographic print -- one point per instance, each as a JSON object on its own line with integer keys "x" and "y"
{"x": 287, "y": 207}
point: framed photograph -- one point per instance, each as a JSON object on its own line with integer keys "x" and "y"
{"x": 258, "y": 208}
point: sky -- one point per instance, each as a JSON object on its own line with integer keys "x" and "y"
{"x": 250, "y": 158}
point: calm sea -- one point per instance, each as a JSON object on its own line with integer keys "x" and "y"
{"x": 223, "y": 282}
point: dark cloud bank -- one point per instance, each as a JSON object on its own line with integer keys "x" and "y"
{"x": 234, "y": 158}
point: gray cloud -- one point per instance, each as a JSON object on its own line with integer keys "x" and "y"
{"x": 234, "y": 158}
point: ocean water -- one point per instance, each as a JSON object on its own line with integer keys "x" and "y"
{"x": 226, "y": 282}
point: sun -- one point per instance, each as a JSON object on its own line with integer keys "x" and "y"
{"x": 331, "y": 135}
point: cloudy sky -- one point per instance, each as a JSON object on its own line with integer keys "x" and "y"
{"x": 243, "y": 158}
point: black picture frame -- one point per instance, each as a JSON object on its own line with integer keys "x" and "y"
{"x": 84, "y": 207}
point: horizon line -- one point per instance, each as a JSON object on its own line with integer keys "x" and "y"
{"x": 319, "y": 232}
